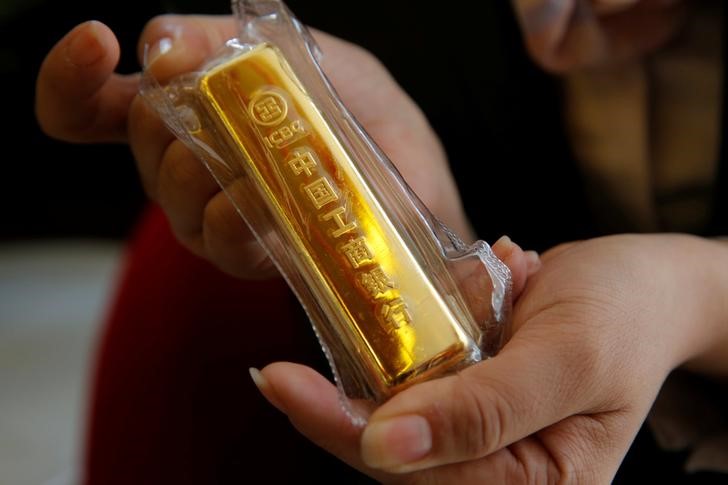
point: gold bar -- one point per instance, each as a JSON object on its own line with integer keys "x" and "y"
{"x": 388, "y": 313}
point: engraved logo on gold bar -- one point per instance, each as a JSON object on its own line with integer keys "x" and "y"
{"x": 268, "y": 108}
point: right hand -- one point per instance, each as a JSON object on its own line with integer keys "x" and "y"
{"x": 595, "y": 333}
{"x": 565, "y": 35}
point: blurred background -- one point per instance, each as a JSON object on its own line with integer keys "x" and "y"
{"x": 68, "y": 209}
{"x": 66, "y": 212}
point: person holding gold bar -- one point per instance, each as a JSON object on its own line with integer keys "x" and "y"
{"x": 598, "y": 324}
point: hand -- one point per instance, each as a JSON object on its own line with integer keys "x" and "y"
{"x": 564, "y": 35}
{"x": 596, "y": 331}
{"x": 80, "y": 99}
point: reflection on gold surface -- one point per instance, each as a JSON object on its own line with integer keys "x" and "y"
{"x": 384, "y": 308}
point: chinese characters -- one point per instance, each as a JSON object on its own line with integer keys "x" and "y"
{"x": 280, "y": 128}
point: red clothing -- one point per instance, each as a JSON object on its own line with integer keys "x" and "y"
{"x": 172, "y": 401}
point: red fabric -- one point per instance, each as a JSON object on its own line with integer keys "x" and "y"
{"x": 172, "y": 401}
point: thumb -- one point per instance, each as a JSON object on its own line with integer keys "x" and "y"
{"x": 476, "y": 412}
{"x": 78, "y": 96}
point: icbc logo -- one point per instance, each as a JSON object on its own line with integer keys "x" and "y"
{"x": 268, "y": 108}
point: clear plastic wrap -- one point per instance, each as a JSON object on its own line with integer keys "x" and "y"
{"x": 393, "y": 295}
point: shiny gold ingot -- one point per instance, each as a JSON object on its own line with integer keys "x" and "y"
{"x": 391, "y": 319}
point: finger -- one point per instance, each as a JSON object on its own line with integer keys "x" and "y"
{"x": 149, "y": 140}
{"x": 171, "y": 173}
{"x": 314, "y": 407}
{"x": 227, "y": 241}
{"x": 202, "y": 217}
{"x": 526, "y": 461}
{"x": 521, "y": 263}
{"x": 174, "y": 45}
{"x": 545, "y": 24}
{"x": 177, "y": 44}
{"x": 184, "y": 189}
{"x": 533, "y": 262}
{"x": 312, "y": 404}
{"x": 528, "y": 386}
{"x": 579, "y": 449}
{"x": 78, "y": 96}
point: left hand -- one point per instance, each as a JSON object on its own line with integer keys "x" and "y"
{"x": 81, "y": 99}
{"x": 596, "y": 331}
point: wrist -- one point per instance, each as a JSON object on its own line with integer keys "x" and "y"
{"x": 701, "y": 269}
{"x": 712, "y": 356}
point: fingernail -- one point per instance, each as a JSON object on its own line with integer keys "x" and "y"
{"x": 394, "y": 443}
{"x": 86, "y": 47}
{"x": 504, "y": 240}
{"x": 265, "y": 388}
{"x": 159, "y": 49}
{"x": 532, "y": 259}
{"x": 503, "y": 247}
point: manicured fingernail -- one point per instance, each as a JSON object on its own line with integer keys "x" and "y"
{"x": 158, "y": 49}
{"x": 394, "y": 443}
{"x": 265, "y": 388}
{"x": 86, "y": 47}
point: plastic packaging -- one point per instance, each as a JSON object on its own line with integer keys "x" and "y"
{"x": 393, "y": 296}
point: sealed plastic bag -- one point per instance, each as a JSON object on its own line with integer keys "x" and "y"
{"x": 393, "y": 296}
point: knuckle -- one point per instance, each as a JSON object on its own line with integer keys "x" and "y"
{"x": 179, "y": 170}
{"x": 584, "y": 442}
{"x": 217, "y": 221}
{"x": 227, "y": 244}
{"x": 563, "y": 471}
{"x": 480, "y": 423}
{"x": 159, "y": 25}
